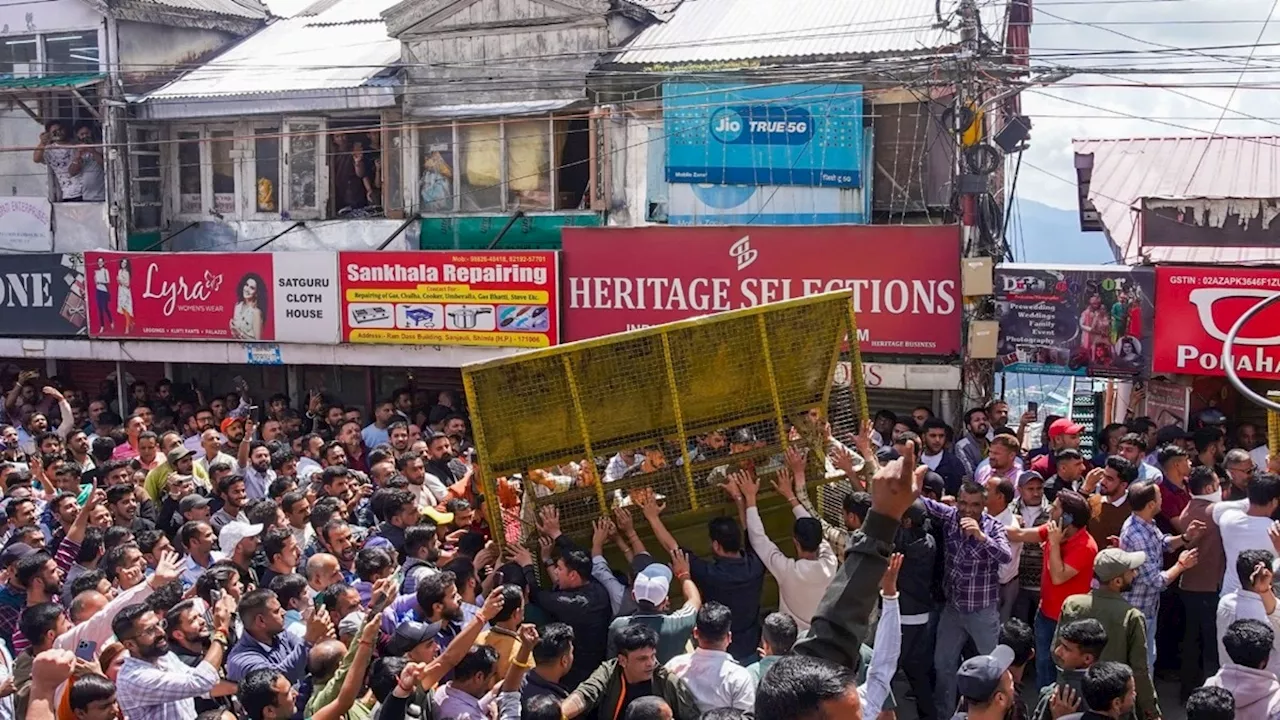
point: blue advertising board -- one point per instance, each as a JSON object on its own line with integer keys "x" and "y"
{"x": 731, "y": 134}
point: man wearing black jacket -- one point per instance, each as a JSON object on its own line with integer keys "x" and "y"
{"x": 919, "y": 549}
{"x": 938, "y": 457}
{"x": 578, "y": 600}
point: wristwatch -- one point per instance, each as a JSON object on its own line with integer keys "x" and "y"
{"x": 549, "y": 563}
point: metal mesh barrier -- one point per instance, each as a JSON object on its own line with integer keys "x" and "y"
{"x": 674, "y": 407}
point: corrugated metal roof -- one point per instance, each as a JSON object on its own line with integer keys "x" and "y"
{"x": 340, "y": 48}
{"x": 1126, "y": 170}
{"x": 252, "y": 9}
{"x": 702, "y": 31}
{"x": 50, "y": 81}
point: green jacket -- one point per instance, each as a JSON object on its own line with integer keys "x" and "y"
{"x": 603, "y": 692}
{"x": 1126, "y": 638}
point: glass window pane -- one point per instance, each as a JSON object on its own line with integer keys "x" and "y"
{"x": 528, "y": 165}
{"x": 302, "y": 165}
{"x": 393, "y": 197}
{"x": 69, "y": 53}
{"x": 189, "y": 173}
{"x": 146, "y": 216}
{"x": 480, "y": 160}
{"x": 18, "y": 56}
{"x": 266, "y": 162}
{"x": 435, "y": 184}
{"x": 224, "y": 171}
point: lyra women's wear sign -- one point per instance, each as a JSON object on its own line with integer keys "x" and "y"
{"x": 236, "y": 297}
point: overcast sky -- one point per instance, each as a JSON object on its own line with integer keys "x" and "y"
{"x": 1064, "y": 29}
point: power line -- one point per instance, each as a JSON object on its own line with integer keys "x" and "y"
{"x": 1232, "y": 95}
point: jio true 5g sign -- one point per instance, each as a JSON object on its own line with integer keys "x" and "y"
{"x": 778, "y": 135}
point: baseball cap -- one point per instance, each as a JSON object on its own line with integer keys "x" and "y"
{"x": 410, "y": 634}
{"x": 350, "y": 625}
{"x": 1114, "y": 562}
{"x": 192, "y": 502}
{"x": 1027, "y": 476}
{"x": 1171, "y": 433}
{"x": 235, "y": 531}
{"x": 979, "y": 676}
{"x": 652, "y": 584}
{"x": 178, "y": 453}
{"x": 227, "y": 423}
{"x": 438, "y": 517}
{"x": 14, "y": 553}
{"x": 1064, "y": 426}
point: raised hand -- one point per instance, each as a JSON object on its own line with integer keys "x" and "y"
{"x": 783, "y": 483}
{"x": 492, "y": 606}
{"x": 319, "y": 627}
{"x": 548, "y": 521}
{"x": 679, "y": 563}
{"x": 384, "y": 590}
{"x": 622, "y": 520}
{"x": 894, "y": 487}
{"x": 1064, "y": 702}
{"x": 889, "y": 583}
{"x": 796, "y": 458}
{"x": 167, "y": 570}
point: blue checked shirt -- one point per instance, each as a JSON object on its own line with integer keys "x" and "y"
{"x": 971, "y": 582}
{"x": 1138, "y": 535}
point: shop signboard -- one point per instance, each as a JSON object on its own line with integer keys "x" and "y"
{"x": 42, "y": 295}
{"x": 905, "y": 278}
{"x": 1197, "y": 308}
{"x": 1167, "y": 403}
{"x": 1082, "y": 320}
{"x": 26, "y": 224}
{"x": 793, "y": 134}
{"x": 250, "y": 297}
{"x": 492, "y": 299}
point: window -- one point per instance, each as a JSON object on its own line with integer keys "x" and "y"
{"x": 190, "y": 201}
{"x": 19, "y": 56}
{"x": 144, "y": 177}
{"x": 265, "y": 169}
{"x": 266, "y": 166}
{"x": 69, "y": 53}
{"x": 503, "y": 166}
{"x": 224, "y": 171}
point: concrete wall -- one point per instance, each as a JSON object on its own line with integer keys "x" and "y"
{"x": 19, "y": 176}
{"x": 240, "y": 236}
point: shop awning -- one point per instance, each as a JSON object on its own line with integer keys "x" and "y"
{"x": 17, "y": 88}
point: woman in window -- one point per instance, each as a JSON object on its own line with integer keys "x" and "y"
{"x": 88, "y": 165}
{"x": 54, "y": 152}
{"x": 251, "y": 308}
{"x": 124, "y": 294}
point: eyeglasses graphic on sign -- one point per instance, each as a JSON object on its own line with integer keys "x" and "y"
{"x": 1206, "y": 298}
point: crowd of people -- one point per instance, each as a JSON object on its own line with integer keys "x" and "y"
{"x": 204, "y": 558}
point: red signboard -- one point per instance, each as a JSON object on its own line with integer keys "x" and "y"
{"x": 1196, "y": 308}
{"x": 234, "y": 297}
{"x": 496, "y": 299}
{"x": 905, "y": 279}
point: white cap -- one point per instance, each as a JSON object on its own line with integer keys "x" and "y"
{"x": 235, "y": 531}
{"x": 653, "y": 583}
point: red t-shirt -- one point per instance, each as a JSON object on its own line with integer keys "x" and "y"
{"x": 1078, "y": 551}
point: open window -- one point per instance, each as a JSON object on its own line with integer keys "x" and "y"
{"x": 356, "y": 166}
{"x": 500, "y": 166}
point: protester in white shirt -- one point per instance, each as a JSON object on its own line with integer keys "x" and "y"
{"x": 1244, "y": 525}
{"x": 714, "y": 678}
{"x": 1255, "y": 600}
{"x": 801, "y": 581}
{"x": 875, "y": 691}
{"x": 1000, "y": 495}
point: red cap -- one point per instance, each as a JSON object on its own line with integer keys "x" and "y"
{"x": 1063, "y": 426}
{"x": 228, "y": 422}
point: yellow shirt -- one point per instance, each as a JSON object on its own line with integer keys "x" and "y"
{"x": 155, "y": 482}
{"x": 505, "y": 642}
